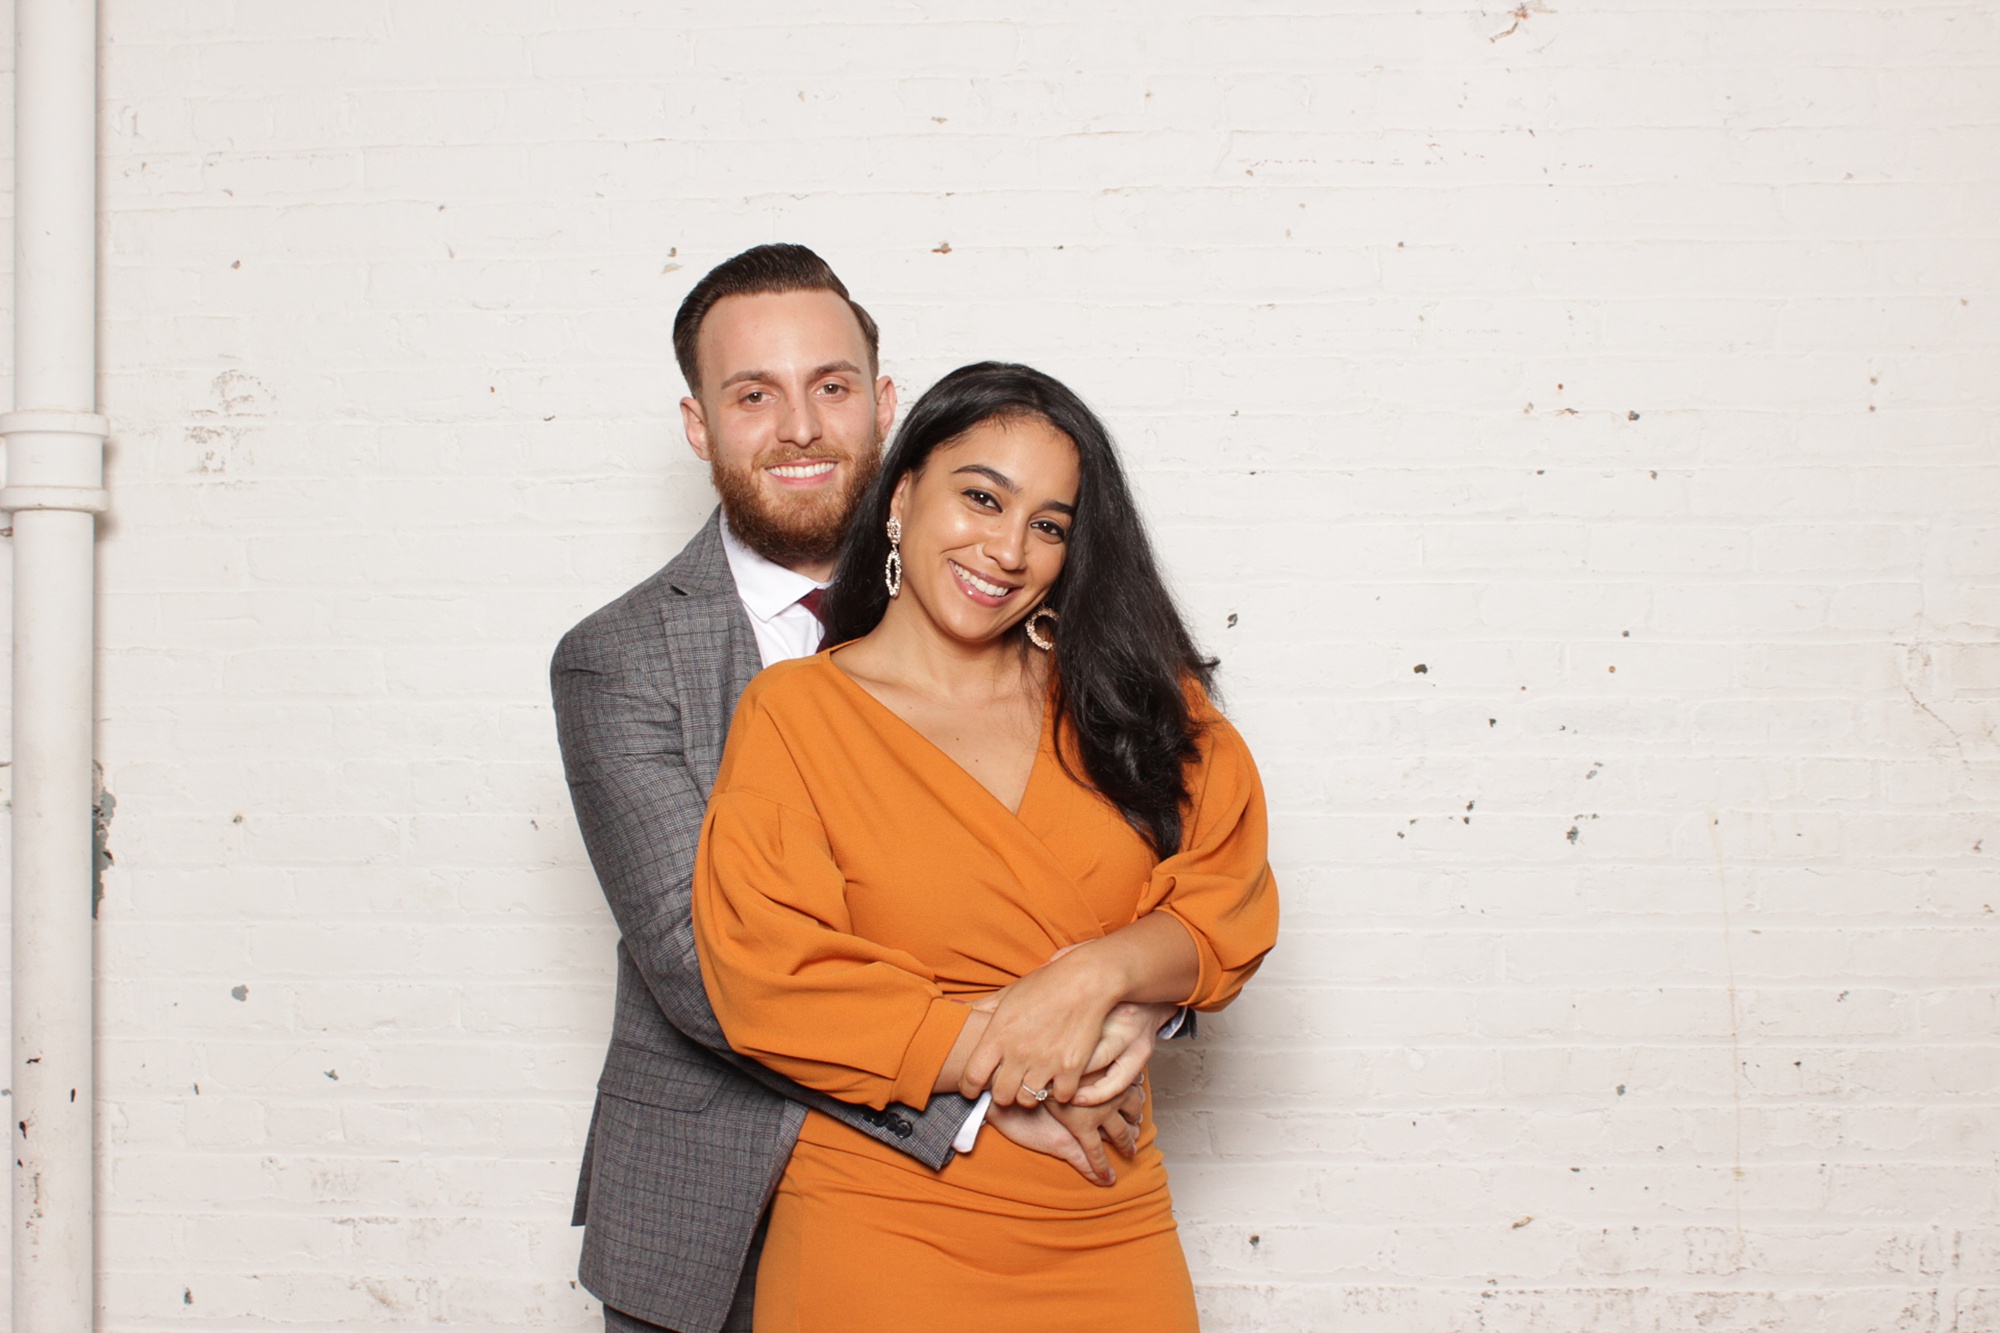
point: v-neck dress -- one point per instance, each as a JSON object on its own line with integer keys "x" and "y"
{"x": 852, "y": 880}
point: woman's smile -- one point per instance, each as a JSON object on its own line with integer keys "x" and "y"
{"x": 981, "y": 590}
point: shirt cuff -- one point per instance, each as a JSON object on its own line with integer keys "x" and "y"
{"x": 1172, "y": 1027}
{"x": 968, "y": 1133}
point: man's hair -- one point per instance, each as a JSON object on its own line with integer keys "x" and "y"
{"x": 762, "y": 270}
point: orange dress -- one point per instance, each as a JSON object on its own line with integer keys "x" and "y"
{"x": 851, "y": 879}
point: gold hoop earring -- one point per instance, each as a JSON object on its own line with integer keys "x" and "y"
{"x": 1034, "y": 635}
{"x": 892, "y": 568}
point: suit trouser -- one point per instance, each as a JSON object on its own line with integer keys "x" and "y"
{"x": 617, "y": 1321}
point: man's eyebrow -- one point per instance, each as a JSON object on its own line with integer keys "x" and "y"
{"x": 1005, "y": 482}
{"x": 829, "y": 368}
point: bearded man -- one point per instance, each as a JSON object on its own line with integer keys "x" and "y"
{"x": 688, "y": 1140}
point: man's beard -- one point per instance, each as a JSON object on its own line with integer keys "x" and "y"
{"x": 791, "y": 531}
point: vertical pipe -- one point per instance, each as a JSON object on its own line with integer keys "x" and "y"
{"x": 55, "y": 478}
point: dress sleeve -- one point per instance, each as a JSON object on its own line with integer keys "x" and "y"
{"x": 794, "y": 988}
{"x": 1219, "y": 884}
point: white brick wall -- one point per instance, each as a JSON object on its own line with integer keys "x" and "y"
{"x": 1575, "y": 429}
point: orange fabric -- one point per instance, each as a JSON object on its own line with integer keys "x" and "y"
{"x": 852, "y": 879}
{"x": 859, "y": 1246}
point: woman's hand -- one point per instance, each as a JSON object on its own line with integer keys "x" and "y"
{"x": 1046, "y": 1027}
{"x": 1078, "y": 1135}
{"x": 1044, "y": 1030}
{"x": 1125, "y": 1047}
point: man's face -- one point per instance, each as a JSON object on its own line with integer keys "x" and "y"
{"x": 789, "y": 419}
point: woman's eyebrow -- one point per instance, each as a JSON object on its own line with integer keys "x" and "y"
{"x": 1006, "y": 483}
{"x": 993, "y": 475}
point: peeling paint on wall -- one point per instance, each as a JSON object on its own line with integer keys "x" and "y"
{"x": 102, "y": 806}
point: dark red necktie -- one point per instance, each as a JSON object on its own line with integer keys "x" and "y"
{"x": 811, "y": 603}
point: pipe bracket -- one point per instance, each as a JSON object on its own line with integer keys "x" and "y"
{"x": 15, "y": 499}
{"x": 91, "y": 424}
{"x": 55, "y": 460}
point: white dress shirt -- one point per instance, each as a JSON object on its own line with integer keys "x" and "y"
{"x": 770, "y": 594}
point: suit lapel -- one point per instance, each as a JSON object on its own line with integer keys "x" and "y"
{"x": 707, "y": 663}
{"x": 711, "y": 649}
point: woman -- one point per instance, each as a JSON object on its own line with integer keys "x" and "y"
{"x": 1004, "y": 780}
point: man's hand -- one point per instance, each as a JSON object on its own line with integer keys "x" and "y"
{"x": 1078, "y": 1135}
{"x": 1130, "y": 1033}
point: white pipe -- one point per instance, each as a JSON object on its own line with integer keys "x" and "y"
{"x": 55, "y": 486}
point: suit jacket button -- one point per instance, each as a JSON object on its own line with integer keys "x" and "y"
{"x": 903, "y": 1128}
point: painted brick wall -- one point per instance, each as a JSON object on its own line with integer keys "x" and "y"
{"x": 1573, "y": 427}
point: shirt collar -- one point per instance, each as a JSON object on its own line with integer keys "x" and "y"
{"x": 765, "y": 586}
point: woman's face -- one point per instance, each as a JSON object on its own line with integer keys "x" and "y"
{"x": 985, "y": 525}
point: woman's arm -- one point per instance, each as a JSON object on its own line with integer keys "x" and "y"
{"x": 791, "y": 982}
{"x": 1208, "y": 916}
{"x": 951, "y": 1074}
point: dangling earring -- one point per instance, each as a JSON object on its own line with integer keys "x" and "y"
{"x": 1035, "y": 636}
{"x": 892, "y": 569}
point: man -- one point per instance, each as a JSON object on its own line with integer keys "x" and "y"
{"x": 688, "y": 1141}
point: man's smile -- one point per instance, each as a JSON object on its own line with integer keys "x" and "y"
{"x": 807, "y": 471}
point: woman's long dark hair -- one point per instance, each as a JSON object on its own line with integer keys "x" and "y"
{"x": 1123, "y": 656}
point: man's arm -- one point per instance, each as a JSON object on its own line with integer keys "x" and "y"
{"x": 640, "y": 811}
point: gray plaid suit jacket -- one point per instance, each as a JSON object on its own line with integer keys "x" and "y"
{"x": 687, "y": 1140}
